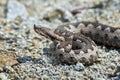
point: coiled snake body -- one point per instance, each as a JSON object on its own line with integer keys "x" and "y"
{"x": 74, "y": 41}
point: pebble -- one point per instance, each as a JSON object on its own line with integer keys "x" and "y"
{"x": 118, "y": 67}
{"x": 16, "y": 9}
{"x": 79, "y": 67}
{"x": 33, "y": 51}
{"x": 3, "y": 76}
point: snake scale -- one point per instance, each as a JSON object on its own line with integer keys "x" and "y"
{"x": 75, "y": 41}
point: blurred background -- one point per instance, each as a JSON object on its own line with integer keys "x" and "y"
{"x": 20, "y": 45}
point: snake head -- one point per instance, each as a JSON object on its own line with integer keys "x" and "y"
{"x": 48, "y": 33}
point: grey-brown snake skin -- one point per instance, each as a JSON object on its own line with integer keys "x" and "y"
{"x": 75, "y": 41}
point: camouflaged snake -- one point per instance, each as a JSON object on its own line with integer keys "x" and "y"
{"x": 75, "y": 41}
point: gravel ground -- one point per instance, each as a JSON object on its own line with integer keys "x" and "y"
{"x": 25, "y": 55}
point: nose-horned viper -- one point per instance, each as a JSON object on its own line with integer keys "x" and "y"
{"x": 75, "y": 41}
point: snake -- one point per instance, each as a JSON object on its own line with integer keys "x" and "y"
{"x": 76, "y": 42}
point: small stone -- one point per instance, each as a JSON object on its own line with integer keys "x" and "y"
{"x": 3, "y": 76}
{"x": 118, "y": 69}
{"x": 79, "y": 67}
{"x": 7, "y": 59}
{"x": 45, "y": 77}
{"x": 16, "y": 9}
{"x": 8, "y": 68}
{"x": 67, "y": 15}
{"x": 24, "y": 59}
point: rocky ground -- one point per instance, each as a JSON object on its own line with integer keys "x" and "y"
{"x": 25, "y": 55}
